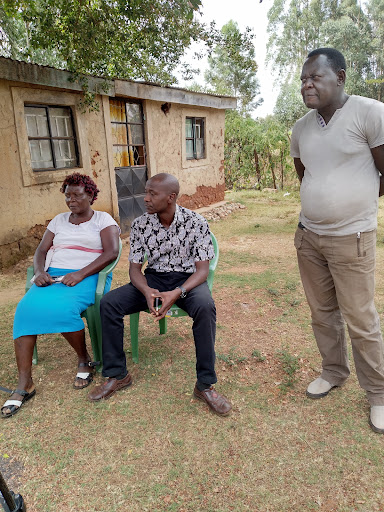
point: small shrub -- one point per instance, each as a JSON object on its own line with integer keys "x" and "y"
{"x": 290, "y": 366}
{"x": 258, "y": 356}
{"x": 232, "y": 359}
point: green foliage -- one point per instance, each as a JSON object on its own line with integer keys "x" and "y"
{"x": 232, "y": 67}
{"x": 289, "y": 104}
{"x": 296, "y": 27}
{"x": 255, "y": 152}
{"x": 232, "y": 358}
{"x": 135, "y": 39}
{"x": 258, "y": 356}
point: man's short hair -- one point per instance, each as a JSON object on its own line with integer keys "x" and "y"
{"x": 335, "y": 58}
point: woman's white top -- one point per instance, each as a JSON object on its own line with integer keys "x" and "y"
{"x": 86, "y": 234}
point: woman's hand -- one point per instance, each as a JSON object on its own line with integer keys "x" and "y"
{"x": 72, "y": 278}
{"x": 43, "y": 279}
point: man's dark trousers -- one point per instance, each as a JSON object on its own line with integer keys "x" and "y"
{"x": 127, "y": 299}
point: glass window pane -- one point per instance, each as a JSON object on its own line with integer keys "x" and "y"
{"x": 199, "y": 128}
{"x": 119, "y": 134}
{"x": 134, "y": 113}
{"x": 37, "y": 124}
{"x": 120, "y": 156}
{"x": 135, "y": 133}
{"x": 117, "y": 111}
{"x": 61, "y": 122}
{"x": 199, "y": 148}
{"x": 189, "y": 148}
{"x": 65, "y": 153}
{"x": 188, "y": 127}
{"x": 136, "y": 154}
{"x": 41, "y": 156}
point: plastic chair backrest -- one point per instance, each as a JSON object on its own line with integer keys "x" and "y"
{"x": 92, "y": 313}
{"x": 174, "y": 312}
{"x": 213, "y": 262}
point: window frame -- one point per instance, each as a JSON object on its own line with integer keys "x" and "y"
{"x": 51, "y": 138}
{"x": 194, "y": 139}
{"x": 129, "y": 144}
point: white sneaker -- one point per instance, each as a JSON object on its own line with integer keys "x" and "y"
{"x": 376, "y": 418}
{"x": 319, "y": 388}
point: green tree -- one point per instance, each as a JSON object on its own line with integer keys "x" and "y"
{"x": 298, "y": 26}
{"x": 136, "y": 39}
{"x": 232, "y": 67}
{"x": 289, "y": 104}
{"x": 375, "y": 84}
{"x": 256, "y": 152}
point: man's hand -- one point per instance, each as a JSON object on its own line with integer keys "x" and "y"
{"x": 150, "y": 294}
{"x": 167, "y": 301}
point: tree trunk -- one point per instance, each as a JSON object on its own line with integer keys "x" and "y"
{"x": 272, "y": 170}
{"x": 282, "y": 168}
{"x": 257, "y": 165}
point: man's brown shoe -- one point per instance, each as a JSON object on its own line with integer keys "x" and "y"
{"x": 110, "y": 386}
{"x": 218, "y": 403}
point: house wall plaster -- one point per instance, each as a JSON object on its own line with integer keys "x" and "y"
{"x": 30, "y": 199}
{"x": 201, "y": 181}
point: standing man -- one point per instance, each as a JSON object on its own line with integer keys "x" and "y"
{"x": 178, "y": 245}
{"x": 338, "y": 150}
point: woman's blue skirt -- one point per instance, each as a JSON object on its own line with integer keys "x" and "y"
{"x": 55, "y": 308}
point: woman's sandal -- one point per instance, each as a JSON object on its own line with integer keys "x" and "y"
{"x": 87, "y": 376}
{"x": 15, "y": 405}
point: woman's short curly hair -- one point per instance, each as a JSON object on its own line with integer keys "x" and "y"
{"x": 89, "y": 185}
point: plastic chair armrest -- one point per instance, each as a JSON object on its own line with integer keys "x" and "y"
{"x": 28, "y": 284}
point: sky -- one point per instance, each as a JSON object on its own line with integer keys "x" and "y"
{"x": 253, "y": 14}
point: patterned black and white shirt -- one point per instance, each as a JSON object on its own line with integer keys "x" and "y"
{"x": 175, "y": 249}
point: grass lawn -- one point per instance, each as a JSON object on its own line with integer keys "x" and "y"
{"x": 154, "y": 448}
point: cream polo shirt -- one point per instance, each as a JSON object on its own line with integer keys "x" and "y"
{"x": 340, "y": 188}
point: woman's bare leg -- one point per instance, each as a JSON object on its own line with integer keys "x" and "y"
{"x": 77, "y": 341}
{"x": 24, "y": 351}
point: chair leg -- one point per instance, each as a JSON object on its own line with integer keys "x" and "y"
{"x": 34, "y": 357}
{"x": 95, "y": 335}
{"x": 134, "y": 329}
{"x": 163, "y": 326}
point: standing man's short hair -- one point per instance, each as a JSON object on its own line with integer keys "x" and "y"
{"x": 335, "y": 58}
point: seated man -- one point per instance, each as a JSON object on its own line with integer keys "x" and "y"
{"x": 178, "y": 245}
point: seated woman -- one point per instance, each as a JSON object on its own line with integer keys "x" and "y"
{"x": 74, "y": 248}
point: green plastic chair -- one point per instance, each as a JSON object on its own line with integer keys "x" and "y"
{"x": 174, "y": 312}
{"x": 92, "y": 313}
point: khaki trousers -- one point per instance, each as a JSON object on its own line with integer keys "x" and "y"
{"x": 337, "y": 273}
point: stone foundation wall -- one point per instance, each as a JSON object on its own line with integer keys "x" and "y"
{"x": 13, "y": 252}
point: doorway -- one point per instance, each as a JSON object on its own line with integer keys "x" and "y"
{"x": 129, "y": 159}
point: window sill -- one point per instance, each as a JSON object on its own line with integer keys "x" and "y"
{"x": 30, "y": 177}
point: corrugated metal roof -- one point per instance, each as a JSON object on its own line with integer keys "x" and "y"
{"x": 18, "y": 70}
